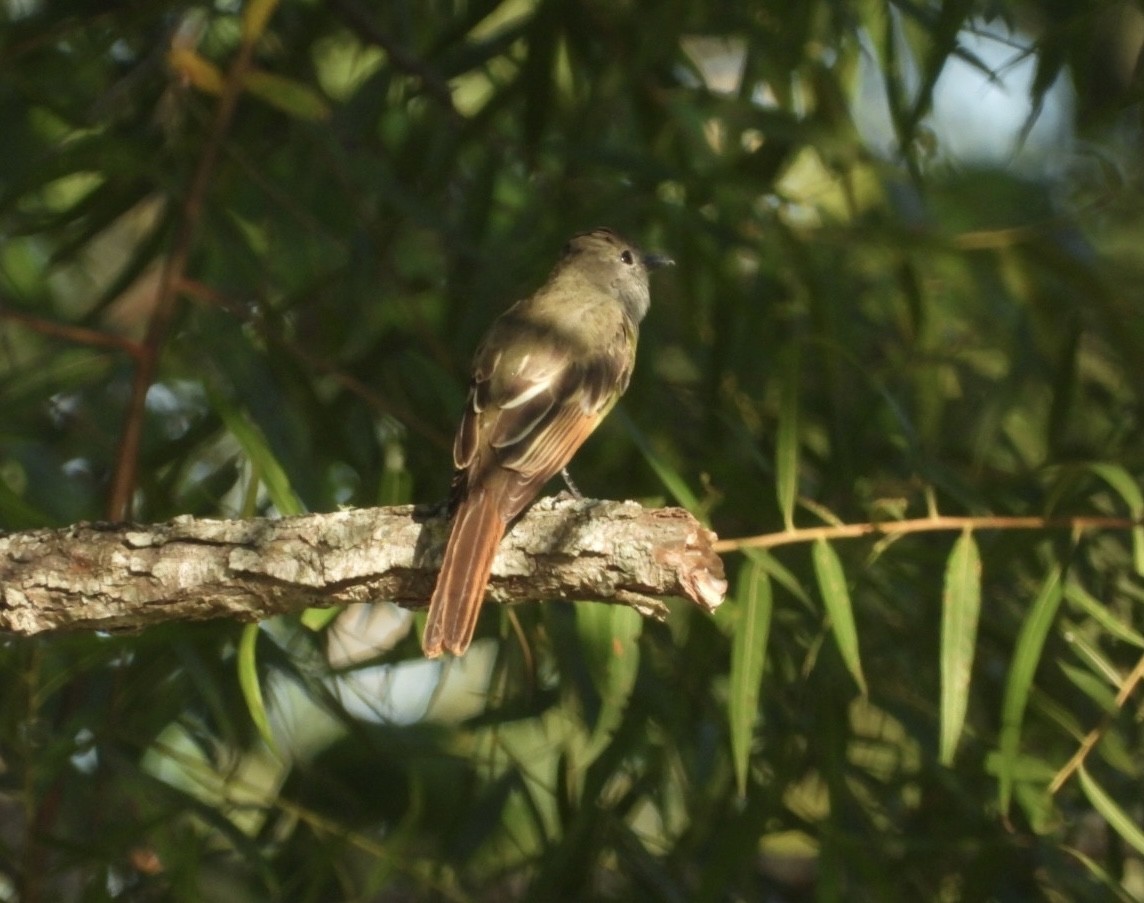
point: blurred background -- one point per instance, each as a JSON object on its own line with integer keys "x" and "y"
{"x": 247, "y": 251}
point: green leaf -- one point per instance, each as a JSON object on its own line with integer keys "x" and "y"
{"x": 1122, "y": 481}
{"x": 832, "y": 585}
{"x": 1092, "y": 687}
{"x": 290, "y": 96}
{"x": 396, "y": 484}
{"x": 317, "y": 619}
{"x": 247, "y": 662}
{"x": 1119, "y": 820}
{"x": 961, "y": 605}
{"x": 196, "y": 70}
{"x": 255, "y": 15}
{"x": 674, "y": 482}
{"x": 782, "y": 575}
{"x": 1111, "y": 884}
{"x": 258, "y": 450}
{"x": 786, "y": 442}
{"x": 753, "y": 607}
{"x": 1026, "y": 656}
{"x": 1098, "y": 611}
{"x": 609, "y": 635}
{"x": 15, "y": 513}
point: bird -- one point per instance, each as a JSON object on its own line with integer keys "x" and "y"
{"x": 548, "y": 371}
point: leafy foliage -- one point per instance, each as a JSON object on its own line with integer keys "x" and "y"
{"x": 304, "y": 215}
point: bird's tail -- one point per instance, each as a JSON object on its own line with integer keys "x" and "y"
{"x": 473, "y": 540}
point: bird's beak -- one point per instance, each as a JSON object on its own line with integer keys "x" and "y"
{"x": 655, "y": 261}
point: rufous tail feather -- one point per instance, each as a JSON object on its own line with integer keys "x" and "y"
{"x": 477, "y": 531}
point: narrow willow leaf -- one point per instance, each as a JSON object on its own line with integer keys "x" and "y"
{"x": 255, "y": 15}
{"x": 1099, "y": 664}
{"x": 247, "y": 662}
{"x": 786, "y": 442}
{"x": 1122, "y": 481}
{"x": 1091, "y": 686}
{"x": 1119, "y": 820}
{"x": 832, "y": 584}
{"x": 1111, "y": 884}
{"x": 196, "y": 70}
{"x": 781, "y": 575}
{"x": 290, "y": 96}
{"x": 610, "y": 637}
{"x": 671, "y": 478}
{"x": 258, "y": 450}
{"x": 1026, "y": 655}
{"x": 960, "y": 607}
{"x": 748, "y": 655}
{"x": 1098, "y": 611}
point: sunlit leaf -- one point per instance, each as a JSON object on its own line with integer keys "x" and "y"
{"x": 247, "y": 664}
{"x": 960, "y": 606}
{"x": 317, "y": 619}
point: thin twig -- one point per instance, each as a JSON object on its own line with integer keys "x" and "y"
{"x": 80, "y": 335}
{"x": 1097, "y": 733}
{"x": 925, "y": 525}
{"x": 166, "y": 306}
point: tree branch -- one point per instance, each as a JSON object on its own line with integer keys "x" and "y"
{"x": 127, "y": 576}
{"x": 167, "y": 298}
{"x": 934, "y": 524}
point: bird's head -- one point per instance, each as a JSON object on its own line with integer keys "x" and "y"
{"x": 616, "y": 265}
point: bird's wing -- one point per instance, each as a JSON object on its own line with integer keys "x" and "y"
{"x": 533, "y": 409}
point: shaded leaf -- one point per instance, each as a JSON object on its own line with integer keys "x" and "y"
{"x": 1023, "y": 666}
{"x": 832, "y": 585}
{"x": 1119, "y": 820}
{"x": 1098, "y": 611}
{"x": 672, "y": 480}
{"x": 290, "y": 96}
{"x": 609, "y": 635}
{"x": 750, "y": 629}
{"x": 196, "y": 70}
{"x": 255, "y": 15}
{"x": 1123, "y": 482}
{"x": 268, "y": 469}
{"x": 786, "y": 441}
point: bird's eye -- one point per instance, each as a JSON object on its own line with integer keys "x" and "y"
{"x": 627, "y": 258}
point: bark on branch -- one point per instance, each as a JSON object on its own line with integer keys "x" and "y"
{"x": 128, "y": 576}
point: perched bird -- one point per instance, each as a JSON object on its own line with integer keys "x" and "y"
{"x": 549, "y": 370}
